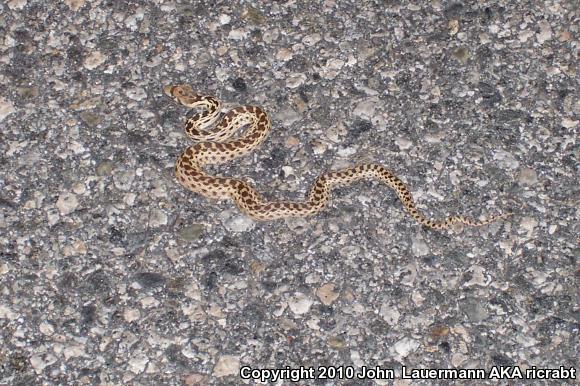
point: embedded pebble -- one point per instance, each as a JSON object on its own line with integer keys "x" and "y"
{"x": 74, "y": 351}
{"x": 225, "y": 19}
{"x": 226, "y": 365}
{"x": 137, "y": 363}
{"x": 336, "y": 343}
{"x": 236, "y": 222}
{"x": 6, "y": 108}
{"x": 284, "y": 54}
{"x": 506, "y": 160}
{"x": 474, "y": 309}
{"x": 192, "y": 232}
{"x": 17, "y": 4}
{"x": 334, "y": 64}
{"x": 299, "y": 303}
{"x": 105, "y": 168}
{"x": 195, "y": 380}
{"x": 94, "y": 60}
{"x": 404, "y": 347}
{"x": 292, "y": 142}
{"x": 545, "y": 33}
{"x": 565, "y": 36}
{"x": 157, "y": 218}
{"x": 459, "y": 359}
{"x": 295, "y": 80}
{"x": 528, "y": 177}
{"x": 40, "y": 361}
{"x": 131, "y": 314}
{"x": 453, "y": 26}
{"x": 478, "y": 277}
{"x": 136, "y": 93}
{"x": 528, "y": 225}
{"x": 346, "y": 151}
{"x": 319, "y": 147}
{"x": 288, "y": 116}
{"x": 524, "y": 35}
{"x": 390, "y": 314}
{"x": 52, "y": 216}
{"x": 566, "y": 122}
{"x": 419, "y": 247}
{"x": 312, "y": 39}
{"x": 86, "y": 103}
{"x": 327, "y": 294}
{"x": 129, "y": 198}
{"x": 123, "y": 180}
{"x": 356, "y": 358}
{"x": 74, "y": 5}
{"x": 92, "y": 119}
{"x": 403, "y": 143}
{"x": 257, "y": 267}
{"x": 366, "y": 108}
{"x": 67, "y": 203}
{"x": 46, "y": 328}
{"x": 6, "y": 312}
{"x": 238, "y": 34}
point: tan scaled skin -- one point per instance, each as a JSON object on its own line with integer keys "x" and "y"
{"x": 215, "y": 147}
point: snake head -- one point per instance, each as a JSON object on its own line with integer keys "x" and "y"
{"x": 178, "y": 91}
{"x": 181, "y": 94}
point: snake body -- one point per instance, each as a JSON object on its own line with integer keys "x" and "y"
{"x": 214, "y": 146}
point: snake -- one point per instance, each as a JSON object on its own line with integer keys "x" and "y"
{"x": 215, "y": 145}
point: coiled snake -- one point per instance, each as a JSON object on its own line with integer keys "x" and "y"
{"x": 215, "y": 147}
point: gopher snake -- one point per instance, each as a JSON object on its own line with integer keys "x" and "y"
{"x": 215, "y": 148}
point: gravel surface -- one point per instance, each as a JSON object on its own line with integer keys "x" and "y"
{"x": 111, "y": 273}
